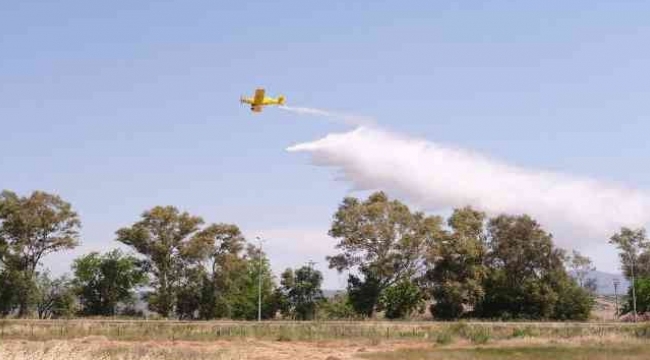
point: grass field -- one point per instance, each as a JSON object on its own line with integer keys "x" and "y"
{"x": 105, "y": 339}
{"x": 595, "y": 351}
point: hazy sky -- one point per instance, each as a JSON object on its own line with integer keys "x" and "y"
{"x": 123, "y": 105}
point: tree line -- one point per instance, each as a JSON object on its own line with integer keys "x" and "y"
{"x": 400, "y": 263}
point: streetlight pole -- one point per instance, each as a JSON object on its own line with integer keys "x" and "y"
{"x": 311, "y": 299}
{"x": 259, "y": 282}
{"x": 616, "y": 283}
{"x": 633, "y": 289}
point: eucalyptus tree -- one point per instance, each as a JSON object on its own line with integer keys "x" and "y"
{"x": 31, "y": 227}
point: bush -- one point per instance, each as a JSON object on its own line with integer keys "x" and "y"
{"x": 480, "y": 335}
{"x": 522, "y": 332}
{"x": 444, "y": 337}
{"x": 401, "y": 299}
{"x": 574, "y": 303}
{"x": 336, "y": 308}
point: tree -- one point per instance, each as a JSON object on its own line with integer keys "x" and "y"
{"x": 456, "y": 265}
{"x": 30, "y": 229}
{"x": 631, "y": 244}
{"x": 190, "y": 292}
{"x": 641, "y": 266}
{"x": 581, "y": 266}
{"x": 642, "y": 292}
{"x": 401, "y": 299}
{"x": 55, "y": 297}
{"x": 243, "y": 298}
{"x": 10, "y": 285}
{"x": 226, "y": 264}
{"x": 527, "y": 276}
{"x": 574, "y": 302}
{"x": 364, "y": 294}
{"x": 104, "y": 281}
{"x": 172, "y": 242}
{"x": 302, "y": 288}
{"x": 383, "y": 240}
{"x": 337, "y": 308}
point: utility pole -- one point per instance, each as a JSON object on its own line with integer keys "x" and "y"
{"x": 633, "y": 288}
{"x": 311, "y": 299}
{"x": 616, "y": 283}
{"x": 259, "y": 282}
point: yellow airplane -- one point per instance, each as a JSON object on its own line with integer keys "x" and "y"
{"x": 259, "y": 100}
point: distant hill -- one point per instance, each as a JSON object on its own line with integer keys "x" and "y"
{"x": 605, "y": 282}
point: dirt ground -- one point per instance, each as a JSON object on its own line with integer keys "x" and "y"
{"x": 97, "y": 348}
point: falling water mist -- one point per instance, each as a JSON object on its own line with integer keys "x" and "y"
{"x": 436, "y": 177}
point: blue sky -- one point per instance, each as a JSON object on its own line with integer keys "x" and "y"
{"x": 123, "y": 105}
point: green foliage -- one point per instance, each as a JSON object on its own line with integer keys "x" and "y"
{"x": 455, "y": 263}
{"x": 31, "y": 228}
{"x": 634, "y": 249}
{"x": 641, "y": 266}
{"x": 243, "y": 299}
{"x": 172, "y": 242}
{"x": 337, "y": 308}
{"x": 104, "y": 281}
{"x": 479, "y": 335}
{"x": 401, "y": 299}
{"x": 55, "y": 297}
{"x": 574, "y": 302}
{"x": 189, "y": 293}
{"x": 444, "y": 337}
{"x": 11, "y": 284}
{"x": 364, "y": 293}
{"x": 633, "y": 244}
{"x": 226, "y": 265}
{"x": 302, "y": 289}
{"x": 527, "y": 279}
{"x": 383, "y": 239}
{"x": 642, "y": 285}
{"x": 522, "y": 332}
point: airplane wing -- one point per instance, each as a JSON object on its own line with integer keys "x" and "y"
{"x": 258, "y": 99}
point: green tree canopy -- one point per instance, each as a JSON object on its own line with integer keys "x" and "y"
{"x": 104, "y": 281}
{"x": 243, "y": 297}
{"x": 55, "y": 297}
{"x": 456, "y": 264}
{"x": 302, "y": 288}
{"x": 172, "y": 242}
{"x": 31, "y": 228}
{"x": 383, "y": 240}
{"x": 401, "y": 299}
{"x": 226, "y": 264}
{"x": 633, "y": 245}
{"x": 527, "y": 278}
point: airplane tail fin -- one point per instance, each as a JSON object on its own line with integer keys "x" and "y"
{"x": 281, "y": 99}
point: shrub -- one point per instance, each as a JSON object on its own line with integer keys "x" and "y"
{"x": 444, "y": 337}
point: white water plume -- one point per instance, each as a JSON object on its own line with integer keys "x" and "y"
{"x": 436, "y": 177}
{"x": 344, "y": 118}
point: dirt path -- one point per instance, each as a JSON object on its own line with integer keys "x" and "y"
{"x": 99, "y": 348}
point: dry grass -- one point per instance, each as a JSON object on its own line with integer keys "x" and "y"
{"x": 97, "y": 348}
{"x": 304, "y": 331}
{"x": 583, "y": 348}
{"x": 125, "y": 340}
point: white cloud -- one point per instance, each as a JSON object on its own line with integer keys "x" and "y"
{"x": 435, "y": 177}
